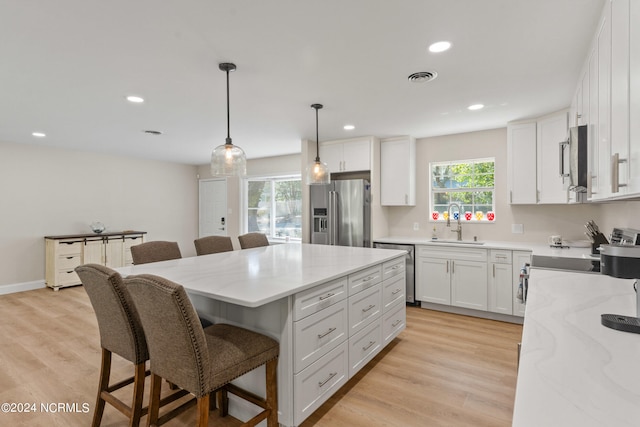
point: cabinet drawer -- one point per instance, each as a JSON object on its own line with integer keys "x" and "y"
{"x": 500, "y": 256}
{"x": 393, "y": 268}
{"x": 364, "y": 308}
{"x": 319, "y": 333}
{"x": 393, "y": 290}
{"x": 364, "y": 279}
{"x": 363, "y": 346}
{"x": 314, "y": 385}
{"x": 69, "y": 248}
{"x": 69, "y": 261}
{"x": 394, "y": 321}
{"x": 441, "y": 250}
{"x": 315, "y": 299}
{"x": 66, "y": 277}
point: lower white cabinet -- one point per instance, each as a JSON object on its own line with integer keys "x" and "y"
{"x": 66, "y": 252}
{"x": 500, "y": 280}
{"x": 363, "y": 346}
{"x": 394, "y": 320}
{"x": 433, "y": 282}
{"x": 469, "y": 284}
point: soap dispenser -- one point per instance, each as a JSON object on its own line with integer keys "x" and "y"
{"x": 434, "y": 234}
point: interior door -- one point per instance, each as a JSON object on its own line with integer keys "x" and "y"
{"x": 213, "y": 207}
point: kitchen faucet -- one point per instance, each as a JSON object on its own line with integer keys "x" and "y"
{"x": 459, "y": 229}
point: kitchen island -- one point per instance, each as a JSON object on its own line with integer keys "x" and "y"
{"x": 573, "y": 371}
{"x": 332, "y": 309}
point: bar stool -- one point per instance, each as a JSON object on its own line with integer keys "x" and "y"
{"x": 213, "y": 245}
{"x": 155, "y": 251}
{"x": 253, "y": 240}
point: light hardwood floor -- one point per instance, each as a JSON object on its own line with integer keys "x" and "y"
{"x": 443, "y": 370}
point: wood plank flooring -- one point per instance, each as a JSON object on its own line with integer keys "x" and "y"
{"x": 443, "y": 370}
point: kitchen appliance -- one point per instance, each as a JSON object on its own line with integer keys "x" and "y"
{"x": 341, "y": 213}
{"x": 409, "y": 267}
{"x": 625, "y": 236}
{"x": 574, "y": 165}
{"x": 622, "y": 261}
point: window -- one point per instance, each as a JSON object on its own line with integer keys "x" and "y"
{"x": 274, "y": 207}
{"x": 469, "y": 183}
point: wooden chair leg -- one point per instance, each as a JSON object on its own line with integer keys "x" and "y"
{"x": 154, "y": 400}
{"x": 272, "y": 392}
{"x": 202, "y": 419}
{"x": 103, "y": 385}
{"x": 223, "y": 402}
{"x": 138, "y": 394}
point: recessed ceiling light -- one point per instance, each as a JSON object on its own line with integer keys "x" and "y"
{"x": 135, "y": 99}
{"x": 39, "y": 134}
{"x": 475, "y": 107}
{"x": 439, "y": 47}
{"x": 349, "y": 127}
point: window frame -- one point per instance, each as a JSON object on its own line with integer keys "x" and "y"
{"x": 272, "y": 179}
{"x": 488, "y": 217}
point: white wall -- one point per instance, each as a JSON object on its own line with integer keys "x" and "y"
{"x": 49, "y": 191}
{"x": 539, "y": 221}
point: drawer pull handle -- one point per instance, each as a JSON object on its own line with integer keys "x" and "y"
{"x": 395, "y": 267}
{"x": 396, "y": 323}
{"x": 69, "y": 257}
{"x": 368, "y": 278}
{"x": 364, "y": 310}
{"x": 331, "y": 375}
{"x": 396, "y": 291}
{"x": 368, "y": 346}
{"x": 329, "y": 295}
{"x": 326, "y": 333}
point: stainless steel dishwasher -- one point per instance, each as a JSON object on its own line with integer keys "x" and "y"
{"x": 410, "y": 267}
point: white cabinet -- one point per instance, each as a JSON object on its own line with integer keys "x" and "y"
{"x": 521, "y": 163}
{"x": 452, "y": 276}
{"x": 536, "y": 161}
{"x": 500, "y": 280}
{"x": 398, "y": 171}
{"x": 347, "y": 155}
{"x": 519, "y": 259}
{"x": 634, "y": 98}
{"x": 552, "y": 159}
{"x": 64, "y": 253}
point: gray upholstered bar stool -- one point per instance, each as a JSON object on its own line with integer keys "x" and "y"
{"x": 213, "y": 245}
{"x": 120, "y": 333}
{"x": 199, "y": 360}
{"x": 253, "y": 240}
{"x": 155, "y": 251}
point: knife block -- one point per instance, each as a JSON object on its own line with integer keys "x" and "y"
{"x": 598, "y": 240}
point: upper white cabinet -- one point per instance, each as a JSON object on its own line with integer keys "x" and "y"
{"x": 552, "y": 159}
{"x": 398, "y": 171}
{"x": 347, "y": 155}
{"x": 634, "y": 98}
{"x": 538, "y": 162}
{"x": 521, "y": 163}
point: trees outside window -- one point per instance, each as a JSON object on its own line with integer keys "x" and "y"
{"x": 274, "y": 207}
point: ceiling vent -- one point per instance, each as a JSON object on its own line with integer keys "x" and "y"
{"x": 152, "y": 132}
{"x": 422, "y": 76}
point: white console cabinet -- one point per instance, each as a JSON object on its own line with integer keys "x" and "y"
{"x": 64, "y": 253}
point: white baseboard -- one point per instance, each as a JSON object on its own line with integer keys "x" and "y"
{"x": 21, "y": 287}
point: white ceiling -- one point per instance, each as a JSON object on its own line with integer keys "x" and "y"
{"x": 66, "y": 66}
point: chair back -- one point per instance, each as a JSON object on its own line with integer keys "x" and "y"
{"x": 253, "y": 240}
{"x": 177, "y": 345}
{"x": 118, "y": 320}
{"x": 154, "y": 251}
{"x": 213, "y": 245}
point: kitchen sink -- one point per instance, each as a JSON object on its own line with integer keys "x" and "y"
{"x": 458, "y": 242}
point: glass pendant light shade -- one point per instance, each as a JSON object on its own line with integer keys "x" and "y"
{"x": 318, "y": 172}
{"x": 228, "y": 159}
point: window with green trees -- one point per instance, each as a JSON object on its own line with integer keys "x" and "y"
{"x": 469, "y": 183}
{"x": 274, "y": 207}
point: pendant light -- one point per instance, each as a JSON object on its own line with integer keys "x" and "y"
{"x": 228, "y": 159}
{"x": 318, "y": 172}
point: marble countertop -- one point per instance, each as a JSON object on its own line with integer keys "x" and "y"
{"x": 254, "y": 277}
{"x": 574, "y": 371}
{"x": 535, "y": 248}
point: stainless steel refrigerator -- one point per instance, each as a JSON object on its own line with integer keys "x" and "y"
{"x": 341, "y": 213}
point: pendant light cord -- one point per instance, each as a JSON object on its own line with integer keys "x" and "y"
{"x": 228, "y": 140}
{"x": 317, "y": 139}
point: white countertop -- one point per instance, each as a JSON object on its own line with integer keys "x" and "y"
{"x": 254, "y": 277}
{"x": 536, "y": 248}
{"x": 574, "y": 371}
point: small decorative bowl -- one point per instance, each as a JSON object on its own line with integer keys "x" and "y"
{"x": 97, "y": 227}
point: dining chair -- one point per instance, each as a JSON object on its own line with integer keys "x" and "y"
{"x": 120, "y": 333}
{"x": 202, "y": 361}
{"x": 253, "y": 240}
{"x": 213, "y": 245}
{"x": 155, "y": 251}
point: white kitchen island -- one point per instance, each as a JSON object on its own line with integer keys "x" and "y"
{"x": 332, "y": 309}
{"x": 574, "y": 371}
